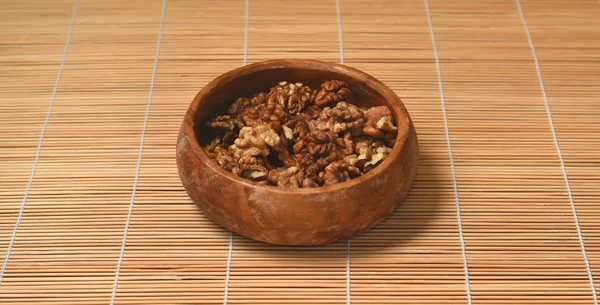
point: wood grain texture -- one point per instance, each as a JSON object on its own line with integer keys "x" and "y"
{"x": 521, "y": 239}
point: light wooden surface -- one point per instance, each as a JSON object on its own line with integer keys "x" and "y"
{"x": 521, "y": 240}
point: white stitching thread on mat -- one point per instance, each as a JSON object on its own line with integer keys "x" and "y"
{"x": 246, "y": 32}
{"x": 228, "y": 274}
{"x": 341, "y": 38}
{"x": 562, "y": 162}
{"x": 139, "y": 163}
{"x": 39, "y": 147}
{"x": 458, "y": 216}
{"x": 230, "y": 255}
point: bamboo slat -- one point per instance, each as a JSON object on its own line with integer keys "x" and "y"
{"x": 520, "y": 239}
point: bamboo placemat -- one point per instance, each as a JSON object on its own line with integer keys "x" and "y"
{"x": 505, "y": 96}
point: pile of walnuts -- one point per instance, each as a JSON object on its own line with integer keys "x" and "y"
{"x": 297, "y": 137}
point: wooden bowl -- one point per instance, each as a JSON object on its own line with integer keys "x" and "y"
{"x": 284, "y": 216}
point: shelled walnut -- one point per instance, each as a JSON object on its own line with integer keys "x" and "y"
{"x": 297, "y": 137}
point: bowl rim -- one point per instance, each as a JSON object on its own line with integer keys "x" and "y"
{"x": 389, "y": 96}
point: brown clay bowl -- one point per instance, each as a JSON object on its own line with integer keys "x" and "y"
{"x": 283, "y": 216}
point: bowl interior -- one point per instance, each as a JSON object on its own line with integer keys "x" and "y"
{"x": 250, "y": 80}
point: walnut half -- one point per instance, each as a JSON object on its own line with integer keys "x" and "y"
{"x": 338, "y": 172}
{"x": 254, "y": 141}
{"x": 332, "y": 92}
{"x": 340, "y": 118}
{"x": 379, "y": 121}
{"x": 293, "y": 97}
